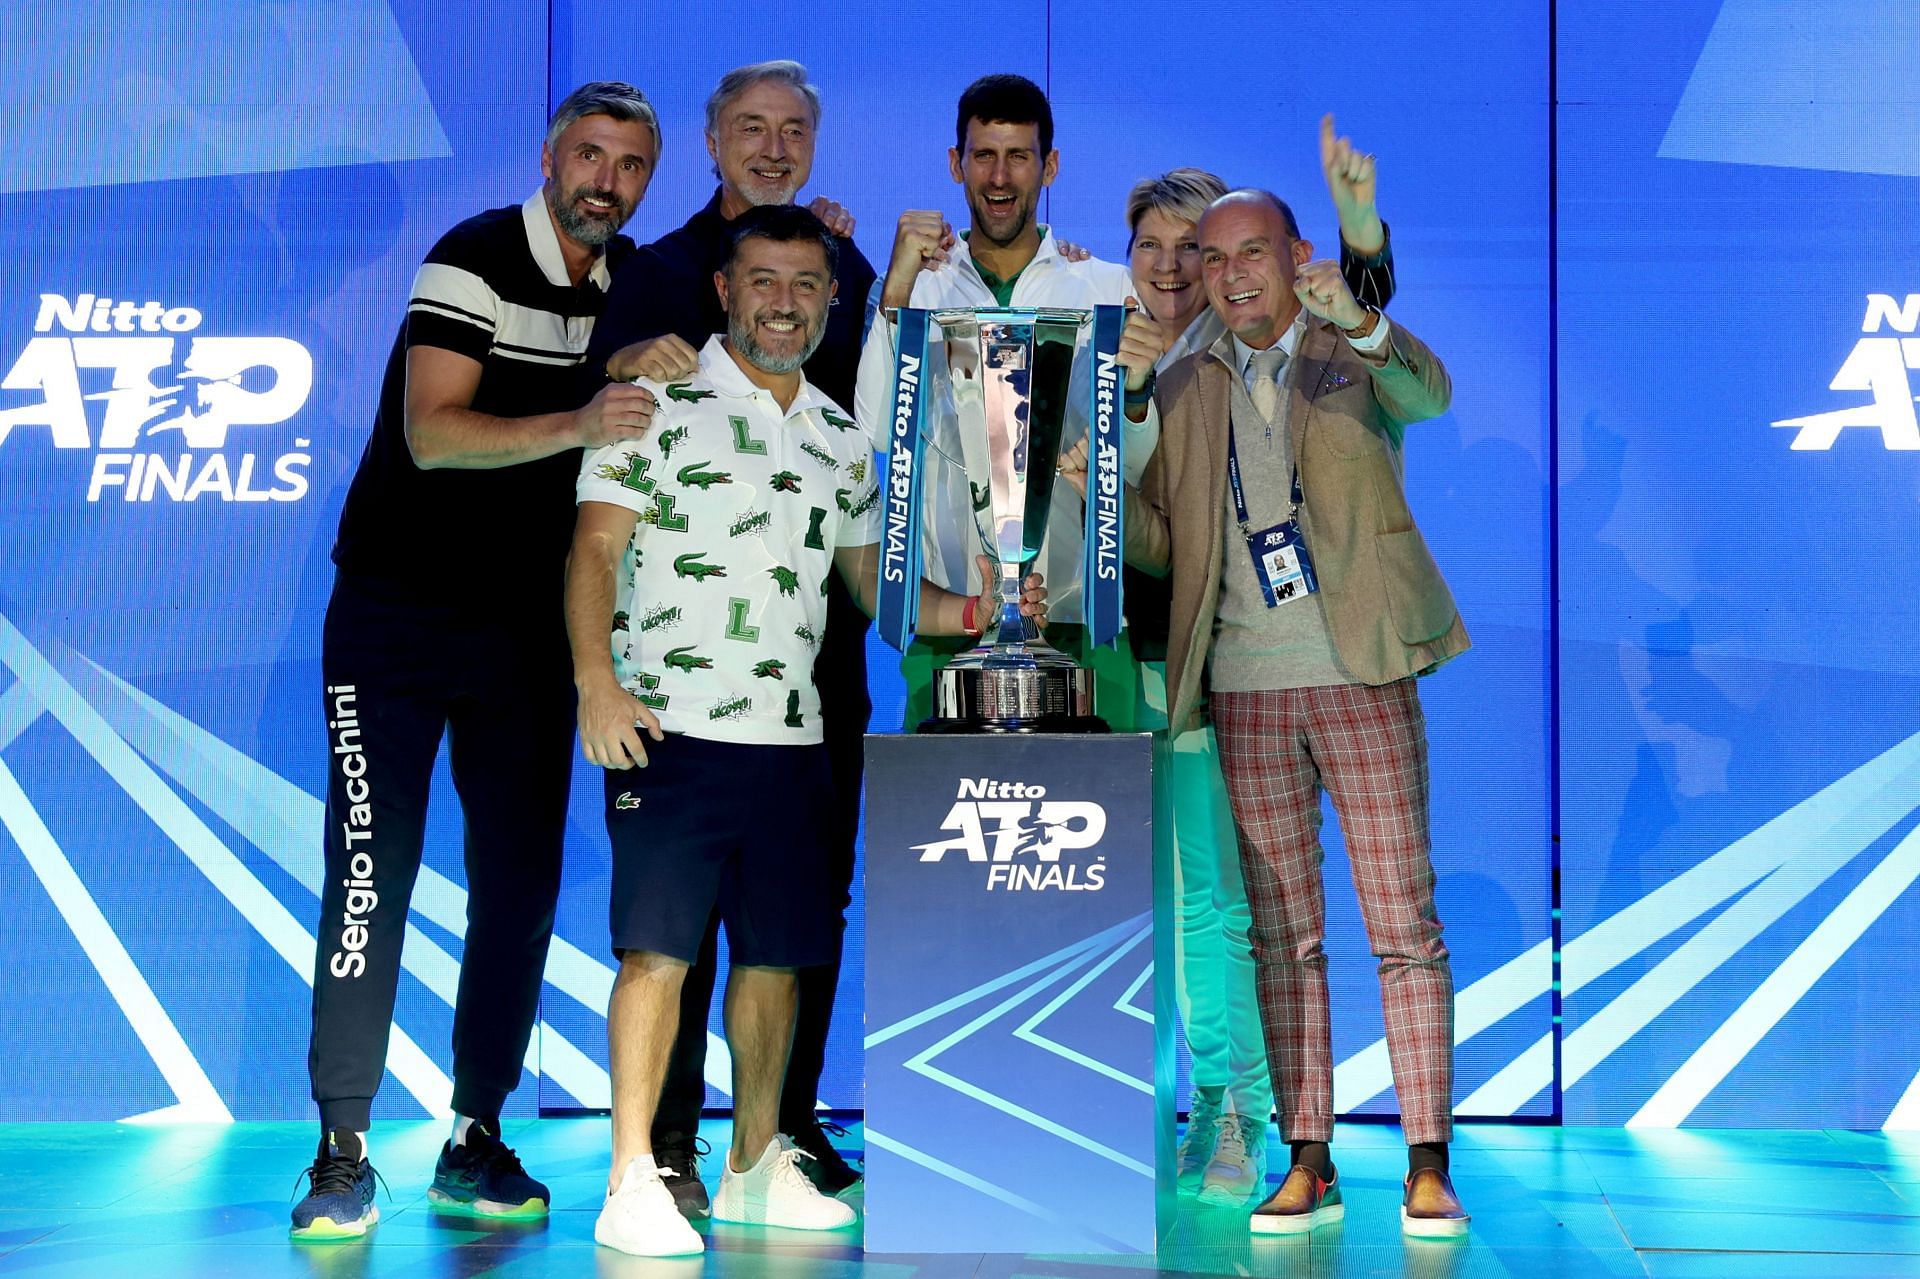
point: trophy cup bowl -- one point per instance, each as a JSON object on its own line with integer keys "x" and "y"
{"x": 1004, "y": 407}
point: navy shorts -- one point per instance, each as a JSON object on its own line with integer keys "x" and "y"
{"x": 742, "y": 827}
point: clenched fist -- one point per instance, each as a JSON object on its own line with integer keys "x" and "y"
{"x": 662, "y": 359}
{"x": 920, "y": 241}
{"x": 1324, "y": 292}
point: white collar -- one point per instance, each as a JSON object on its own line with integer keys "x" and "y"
{"x": 1242, "y": 353}
{"x": 545, "y": 243}
{"x": 723, "y": 373}
{"x": 1048, "y": 252}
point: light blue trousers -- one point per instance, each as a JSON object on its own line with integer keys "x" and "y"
{"x": 1213, "y": 956}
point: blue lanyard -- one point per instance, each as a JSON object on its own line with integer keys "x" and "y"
{"x": 1239, "y": 494}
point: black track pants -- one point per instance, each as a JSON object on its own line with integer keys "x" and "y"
{"x": 398, "y": 674}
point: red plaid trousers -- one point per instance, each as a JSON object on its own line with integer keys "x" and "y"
{"x": 1368, "y": 747}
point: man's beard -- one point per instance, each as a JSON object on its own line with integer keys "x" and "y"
{"x": 1019, "y": 227}
{"x": 592, "y": 229}
{"x": 760, "y": 195}
{"x": 741, "y": 328}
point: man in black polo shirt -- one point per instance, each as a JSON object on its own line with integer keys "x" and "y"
{"x": 761, "y": 123}
{"x": 446, "y": 618}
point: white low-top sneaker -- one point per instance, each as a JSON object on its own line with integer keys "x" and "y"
{"x": 1196, "y": 1148}
{"x": 776, "y": 1191}
{"x": 1238, "y": 1170}
{"x": 640, "y": 1217}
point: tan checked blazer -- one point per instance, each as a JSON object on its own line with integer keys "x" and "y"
{"x": 1388, "y": 608}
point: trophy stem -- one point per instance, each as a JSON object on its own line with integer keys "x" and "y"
{"x": 1014, "y": 629}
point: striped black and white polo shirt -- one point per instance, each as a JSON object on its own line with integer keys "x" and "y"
{"x": 495, "y": 289}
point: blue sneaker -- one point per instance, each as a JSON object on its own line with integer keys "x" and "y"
{"x": 483, "y": 1178}
{"x": 339, "y": 1202}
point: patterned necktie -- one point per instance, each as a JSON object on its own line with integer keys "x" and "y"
{"x": 1263, "y": 382}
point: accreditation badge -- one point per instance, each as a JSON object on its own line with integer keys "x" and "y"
{"x": 1281, "y": 562}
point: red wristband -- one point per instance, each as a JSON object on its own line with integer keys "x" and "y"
{"x": 968, "y": 617}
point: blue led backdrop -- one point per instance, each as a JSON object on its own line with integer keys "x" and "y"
{"x": 209, "y": 221}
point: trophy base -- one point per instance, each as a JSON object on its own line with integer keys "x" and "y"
{"x": 1045, "y": 699}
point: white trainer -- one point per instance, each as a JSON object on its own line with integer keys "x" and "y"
{"x": 1238, "y": 1170}
{"x": 776, "y": 1191}
{"x": 1196, "y": 1148}
{"x": 640, "y": 1217}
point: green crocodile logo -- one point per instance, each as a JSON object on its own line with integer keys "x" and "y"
{"x": 840, "y": 499}
{"x": 834, "y": 419}
{"x": 824, "y": 457}
{"x": 703, "y": 480}
{"x": 684, "y": 392}
{"x": 772, "y": 668}
{"x": 661, "y": 617}
{"x": 786, "y": 482}
{"x": 732, "y": 708}
{"x": 689, "y": 565}
{"x": 672, "y": 439}
{"x": 685, "y": 659}
{"x": 626, "y": 799}
{"x": 619, "y": 621}
{"x": 785, "y": 578}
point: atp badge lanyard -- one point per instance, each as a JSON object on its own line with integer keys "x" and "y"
{"x": 1280, "y": 559}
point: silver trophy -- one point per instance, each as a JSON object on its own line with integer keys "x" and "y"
{"x": 1008, "y": 389}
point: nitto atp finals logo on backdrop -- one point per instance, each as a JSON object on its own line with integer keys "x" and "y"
{"x": 149, "y": 399}
{"x": 1878, "y": 365}
{"x": 1018, "y": 834}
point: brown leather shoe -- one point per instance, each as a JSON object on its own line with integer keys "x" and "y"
{"x": 1430, "y": 1209}
{"x": 1302, "y": 1202}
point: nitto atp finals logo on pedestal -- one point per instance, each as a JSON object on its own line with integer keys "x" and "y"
{"x": 1018, "y": 1045}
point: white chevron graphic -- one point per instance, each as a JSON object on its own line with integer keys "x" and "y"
{"x": 1769, "y": 871}
{"x": 1742, "y": 892}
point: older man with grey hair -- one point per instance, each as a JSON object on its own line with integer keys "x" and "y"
{"x": 761, "y": 123}
{"x": 481, "y": 419}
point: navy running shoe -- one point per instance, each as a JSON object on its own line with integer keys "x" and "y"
{"x": 483, "y": 1178}
{"x": 339, "y": 1202}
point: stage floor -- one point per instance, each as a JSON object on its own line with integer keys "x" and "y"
{"x": 153, "y": 1203}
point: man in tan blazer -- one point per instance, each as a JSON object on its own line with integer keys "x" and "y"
{"x": 1304, "y": 603}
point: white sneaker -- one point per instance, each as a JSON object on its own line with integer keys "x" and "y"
{"x": 1196, "y": 1148}
{"x": 776, "y": 1191}
{"x": 1238, "y": 1170}
{"x": 641, "y": 1218}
